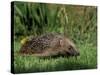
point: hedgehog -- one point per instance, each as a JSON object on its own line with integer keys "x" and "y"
{"x": 49, "y": 45}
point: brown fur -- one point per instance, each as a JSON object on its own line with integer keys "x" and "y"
{"x": 50, "y": 45}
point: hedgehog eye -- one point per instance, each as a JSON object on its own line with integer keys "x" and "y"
{"x": 70, "y": 47}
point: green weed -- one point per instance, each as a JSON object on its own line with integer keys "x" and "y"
{"x": 77, "y": 22}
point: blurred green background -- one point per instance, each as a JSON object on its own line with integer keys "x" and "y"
{"x": 77, "y": 22}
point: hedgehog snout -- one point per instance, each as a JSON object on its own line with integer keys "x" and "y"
{"x": 73, "y": 52}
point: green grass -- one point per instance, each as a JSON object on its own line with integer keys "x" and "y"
{"x": 29, "y": 63}
{"x": 77, "y": 22}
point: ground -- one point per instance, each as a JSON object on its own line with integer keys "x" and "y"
{"x": 29, "y": 63}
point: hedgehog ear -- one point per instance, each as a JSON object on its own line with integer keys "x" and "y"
{"x": 61, "y": 42}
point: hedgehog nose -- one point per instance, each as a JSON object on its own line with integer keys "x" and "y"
{"x": 77, "y": 54}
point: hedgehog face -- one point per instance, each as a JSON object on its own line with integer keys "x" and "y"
{"x": 72, "y": 51}
{"x": 68, "y": 48}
